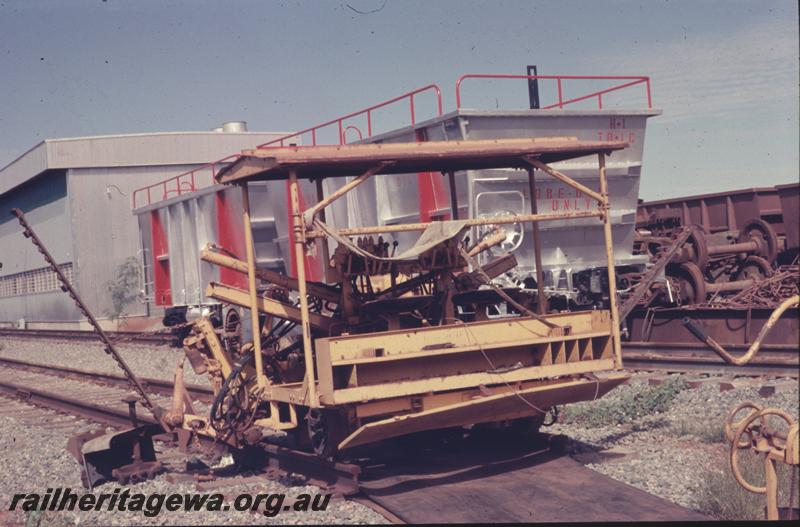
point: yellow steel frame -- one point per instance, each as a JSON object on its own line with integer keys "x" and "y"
{"x": 582, "y": 350}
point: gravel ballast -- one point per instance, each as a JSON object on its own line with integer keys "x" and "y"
{"x": 37, "y": 460}
{"x": 670, "y": 454}
{"x": 145, "y": 360}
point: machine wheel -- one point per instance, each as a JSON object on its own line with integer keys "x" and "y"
{"x": 749, "y": 433}
{"x": 691, "y": 284}
{"x": 732, "y": 423}
{"x": 326, "y": 428}
{"x": 754, "y": 268}
{"x": 760, "y": 231}
{"x": 527, "y": 426}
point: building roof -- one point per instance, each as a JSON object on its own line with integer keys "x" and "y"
{"x": 148, "y": 149}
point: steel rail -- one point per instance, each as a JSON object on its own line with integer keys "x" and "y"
{"x": 773, "y": 361}
{"x": 134, "y": 337}
{"x": 67, "y": 287}
{"x": 341, "y": 478}
{"x": 159, "y": 386}
{"x": 114, "y": 417}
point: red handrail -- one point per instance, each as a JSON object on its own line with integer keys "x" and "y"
{"x": 351, "y": 127}
{"x": 339, "y": 121}
{"x": 184, "y": 182}
{"x": 559, "y": 79}
{"x": 182, "y": 187}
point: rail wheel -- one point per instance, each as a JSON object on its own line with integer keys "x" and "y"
{"x": 513, "y": 238}
{"x": 697, "y": 241}
{"x": 232, "y": 336}
{"x": 527, "y": 426}
{"x": 326, "y": 428}
{"x": 761, "y": 232}
{"x": 691, "y": 284}
{"x": 233, "y": 322}
{"x": 754, "y": 268}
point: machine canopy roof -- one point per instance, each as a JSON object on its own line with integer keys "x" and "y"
{"x": 406, "y": 158}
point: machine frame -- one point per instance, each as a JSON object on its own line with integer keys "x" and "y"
{"x": 390, "y": 383}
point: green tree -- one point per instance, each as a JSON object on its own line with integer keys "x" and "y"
{"x": 123, "y": 289}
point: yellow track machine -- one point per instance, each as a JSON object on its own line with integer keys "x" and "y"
{"x": 398, "y": 341}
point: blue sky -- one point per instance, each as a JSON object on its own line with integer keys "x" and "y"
{"x": 725, "y": 73}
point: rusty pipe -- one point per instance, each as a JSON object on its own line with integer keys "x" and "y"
{"x": 496, "y": 237}
{"x": 252, "y": 287}
{"x": 211, "y": 254}
{"x": 474, "y": 222}
{"x": 724, "y": 287}
{"x": 536, "y": 163}
{"x": 541, "y": 301}
{"x": 733, "y": 248}
{"x": 308, "y": 215}
{"x": 697, "y": 331}
{"x": 176, "y": 413}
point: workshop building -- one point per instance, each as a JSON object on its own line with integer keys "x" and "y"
{"x": 76, "y": 194}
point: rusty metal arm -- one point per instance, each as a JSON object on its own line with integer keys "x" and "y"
{"x": 541, "y": 301}
{"x": 496, "y": 237}
{"x": 233, "y": 295}
{"x": 328, "y": 293}
{"x": 109, "y": 348}
{"x": 605, "y": 208}
{"x": 308, "y": 215}
{"x": 554, "y": 328}
{"x": 298, "y": 228}
{"x": 651, "y": 275}
{"x": 262, "y": 380}
{"x": 534, "y": 162}
{"x": 492, "y": 269}
{"x": 697, "y": 331}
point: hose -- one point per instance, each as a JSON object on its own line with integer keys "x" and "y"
{"x": 698, "y": 332}
{"x": 237, "y": 368}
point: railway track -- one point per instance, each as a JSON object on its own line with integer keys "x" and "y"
{"x": 158, "y": 386}
{"x": 469, "y": 481}
{"x": 68, "y": 334}
{"x": 105, "y": 400}
{"x": 771, "y": 361}
{"x": 85, "y": 397}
